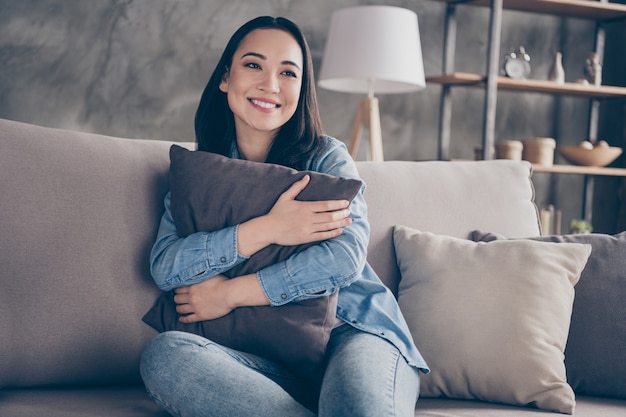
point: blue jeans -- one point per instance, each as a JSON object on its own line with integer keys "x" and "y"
{"x": 191, "y": 376}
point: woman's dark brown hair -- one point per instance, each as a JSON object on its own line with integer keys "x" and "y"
{"x": 297, "y": 141}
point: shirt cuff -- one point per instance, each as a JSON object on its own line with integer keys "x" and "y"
{"x": 221, "y": 248}
{"x": 275, "y": 283}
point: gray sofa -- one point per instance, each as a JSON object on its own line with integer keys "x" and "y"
{"x": 78, "y": 217}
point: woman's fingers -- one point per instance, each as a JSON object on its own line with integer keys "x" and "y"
{"x": 183, "y": 309}
{"x": 296, "y": 188}
{"x": 294, "y": 222}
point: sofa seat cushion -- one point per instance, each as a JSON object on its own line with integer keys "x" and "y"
{"x": 585, "y": 407}
{"x": 122, "y": 401}
{"x": 132, "y": 401}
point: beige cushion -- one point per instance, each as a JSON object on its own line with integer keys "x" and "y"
{"x": 491, "y": 319}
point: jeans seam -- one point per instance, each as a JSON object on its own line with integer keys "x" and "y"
{"x": 391, "y": 385}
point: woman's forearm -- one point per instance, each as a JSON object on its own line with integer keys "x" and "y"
{"x": 246, "y": 291}
{"x": 217, "y": 297}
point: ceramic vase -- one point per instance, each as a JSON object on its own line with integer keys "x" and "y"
{"x": 557, "y": 74}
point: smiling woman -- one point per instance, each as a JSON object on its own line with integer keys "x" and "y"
{"x": 260, "y": 105}
{"x": 215, "y": 121}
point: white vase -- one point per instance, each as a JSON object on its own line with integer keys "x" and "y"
{"x": 557, "y": 74}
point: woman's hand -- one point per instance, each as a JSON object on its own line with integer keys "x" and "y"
{"x": 218, "y": 296}
{"x": 292, "y": 222}
{"x": 203, "y": 301}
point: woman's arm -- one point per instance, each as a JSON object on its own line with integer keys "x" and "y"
{"x": 176, "y": 261}
{"x": 319, "y": 270}
{"x": 333, "y": 263}
{"x": 291, "y": 222}
{"x": 217, "y": 297}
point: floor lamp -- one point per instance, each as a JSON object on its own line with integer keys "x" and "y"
{"x": 372, "y": 50}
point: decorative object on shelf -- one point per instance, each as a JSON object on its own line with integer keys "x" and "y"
{"x": 517, "y": 64}
{"x": 579, "y": 226}
{"x": 478, "y": 153}
{"x": 509, "y": 149}
{"x": 550, "y": 219}
{"x": 557, "y": 74}
{"x": 372, "y": 50}
{"x": 592, "y": 71}
{"x": 539, "y": 151}
{"x": 586, "y": 154}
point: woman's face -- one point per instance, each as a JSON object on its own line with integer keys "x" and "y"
{"x": 263, "y": 84}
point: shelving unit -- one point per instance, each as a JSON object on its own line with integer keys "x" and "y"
{"x": 538, "y": 86}
{"x": 584, "y": 9}
{"x": 602, "y": 12}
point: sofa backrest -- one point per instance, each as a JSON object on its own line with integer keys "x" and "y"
{"x": 451, "y": 198}
{"x": 78, "y": 216}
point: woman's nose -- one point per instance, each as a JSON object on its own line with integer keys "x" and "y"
{"x": 269, "y": 84}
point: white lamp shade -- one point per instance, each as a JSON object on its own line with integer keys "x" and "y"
{"x": 373, "y": 49}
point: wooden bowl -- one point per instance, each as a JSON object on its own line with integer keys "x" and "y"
{"x": 596, "y": 157}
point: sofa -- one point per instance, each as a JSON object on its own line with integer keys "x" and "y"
{"x": 79, "y": 213}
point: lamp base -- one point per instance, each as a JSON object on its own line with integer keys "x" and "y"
{"x": 368, "y": 114}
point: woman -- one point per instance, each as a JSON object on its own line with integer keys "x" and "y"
{"x": 260, "y": 105}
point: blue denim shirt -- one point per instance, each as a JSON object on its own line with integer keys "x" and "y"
{"x": 364, "y": 301}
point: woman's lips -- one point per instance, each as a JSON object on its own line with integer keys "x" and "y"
{"x": 264, "y": 104}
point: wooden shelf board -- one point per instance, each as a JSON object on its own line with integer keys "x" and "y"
{"x": 572, "y": 169}
{"x": 583, "y": 170}
{"x": 537, "y": 86}
{"x": 584, "y": 9}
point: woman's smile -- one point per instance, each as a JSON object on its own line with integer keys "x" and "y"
{"x": 264, "y": 104}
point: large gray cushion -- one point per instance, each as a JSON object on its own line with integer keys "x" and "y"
{"x": 210, "y": 192}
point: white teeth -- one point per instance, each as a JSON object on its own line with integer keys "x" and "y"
{"x": 263, "y": 104}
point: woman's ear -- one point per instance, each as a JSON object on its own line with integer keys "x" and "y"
{"x": 224, "y": 82}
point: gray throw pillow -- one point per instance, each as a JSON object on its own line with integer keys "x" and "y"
{"x": 210, "y": 192}
{"x": 594, "y": 356}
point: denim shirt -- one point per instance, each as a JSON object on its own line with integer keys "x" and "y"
{"x": 338, "y": 263}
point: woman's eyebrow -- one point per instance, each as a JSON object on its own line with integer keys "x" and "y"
{"x": 263, "y": 57}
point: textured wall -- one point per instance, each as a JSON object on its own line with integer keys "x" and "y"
{"x": 136, "y": 68}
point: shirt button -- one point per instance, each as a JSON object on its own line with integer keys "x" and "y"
{"x": 283, "y": 296}
{"x": 223, "y": 259}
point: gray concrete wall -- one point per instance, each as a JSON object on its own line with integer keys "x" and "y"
{"x": 136, "y": 68}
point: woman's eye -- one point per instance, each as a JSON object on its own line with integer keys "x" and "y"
{"x": 252, "y": 65}
{"x": 289, "y": 74}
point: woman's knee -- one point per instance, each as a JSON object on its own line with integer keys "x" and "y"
{"x": 165, "y": 353}
{"x": 369, "y": 376}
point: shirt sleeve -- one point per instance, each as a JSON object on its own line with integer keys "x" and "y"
{"x": 322, "y": 268}
{"x": 176, "y": 261}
